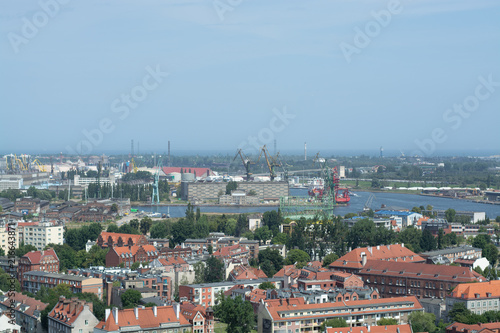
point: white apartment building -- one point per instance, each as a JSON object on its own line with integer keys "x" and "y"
{"x": 43, "y": 234}
{"x": 4, "y": 237}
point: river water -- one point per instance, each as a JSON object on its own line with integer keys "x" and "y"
{"x": 356, "y": 204}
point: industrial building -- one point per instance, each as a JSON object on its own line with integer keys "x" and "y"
{"x": 205, "y": 191}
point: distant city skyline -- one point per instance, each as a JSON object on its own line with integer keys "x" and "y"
{"x": 345, "y": 76}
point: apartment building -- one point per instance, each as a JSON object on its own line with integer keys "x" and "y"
{"x": 27, "y": 311}
{"x": 421, "y": 280}
{"x": 353, "y": 261}
{"x": 206, "y": 293}
{"x": 372, "y": 329}
{"x": 293, "y": 314}
{"x": 46, "y": 261}
{"x": 33, "y": 281}
{"x": 477, "y": 297}
{"x": 43, "y": 234}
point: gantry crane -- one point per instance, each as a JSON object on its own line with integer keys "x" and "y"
{"x": 272, "y": 161}
{"x": 40, "y": 166}
{"x": 246, "y": 162}
{"x": 327, "y": 175}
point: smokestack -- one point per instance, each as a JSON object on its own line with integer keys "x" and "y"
{"x": 168, "y": 152}
{"x": 132, "y": 147}
{"x": 305, "y": 151}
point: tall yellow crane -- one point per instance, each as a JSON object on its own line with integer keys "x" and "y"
{"x": 40, "y": 166}
{"x": 272, "y": 161}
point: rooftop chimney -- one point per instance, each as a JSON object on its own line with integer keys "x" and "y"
{"x": 115, "y": 314}
{"x": 136, "y": 312}
{"x": 176, "y": 309}
{"x": 155, "y": 311}
{"x": 107, "y": 313}
{"x": 368, "y": 327}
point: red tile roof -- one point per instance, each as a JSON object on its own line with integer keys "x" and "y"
{"x": 247, "y": 273}
{"x": 275, "y": 307}
{"x": 24, "y": 304}
{"x": 394, "y": 252}
{"x": 35, "y": 257}
{"x": 256, "y": 295}
{"x": 454, "y": 274}
{"x": 115, "y": 236}
{"x": 67, "y": 311}
{"x": 474, "y": 327}
{"x": 145, "y": 319}
{"x": 470, "y": 290}
{"x": 373, "y": 329}
{"x": 172, "y": 261}
{"x": 232, "y": 250}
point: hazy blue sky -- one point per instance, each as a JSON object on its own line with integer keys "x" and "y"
{"x": 334, "y": 75}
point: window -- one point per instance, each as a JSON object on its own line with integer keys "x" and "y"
{"x": 86, "y": 322}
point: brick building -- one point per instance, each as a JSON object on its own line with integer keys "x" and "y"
{"x": 127, "y": 255}
{"x": 293, "y": 314}
{"x": 46, "y": 261}
{"x": 34, "y": 280}
{"x": 421, "y": 280}
{"x": 202, "y": 319}
{"x": 474, "y": 328}
{"x": 71, "y": 316}
{"x": 112, "y": 239}
{"x": 353, "y": 261}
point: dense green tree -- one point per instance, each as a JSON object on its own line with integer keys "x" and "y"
{"x": 270, "y": 261}
{"x": 387, "y": 321}
{"x": 280, "y": 238}
{"x": 241, "y": 225}
{"x": 145, "y": 225}
{"x": 23, "y": 249}
{"x": 329, "y": 258}
{"x": 297, "y": 255}
{"x": 214, "y": 270}
{"x": 134, "y": 223}
{"x": 263, "y": 234}
{"x": 272, "y": 219}
{"x": 428, "y": 242}
{"x": 335, "y": 322}
{"x": 422, "y": 321}
{"x": 450, "y": 214}
{"x": 159, "y": 230}
{"x": 131, "y": 298}
{"x": 112, "y": 228}
{"x": 231, "y": 186}
{"x": 267, "y": 285}
{"x": 5, "y": 282}
{"x": 361, "y": 234}
{"x": 236, "y": 313}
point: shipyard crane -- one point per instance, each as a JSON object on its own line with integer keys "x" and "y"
{"x": 272, "y": 161}
{"x": 133, "y": 167}
{"x": 246, "y": 162}
{"x": 156, "y": 192}
{"x": 327, "y": 175}
{"x": 368, "y": 202}
{"x": 40, "y": 166}
{"x": 284, "y": 166}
